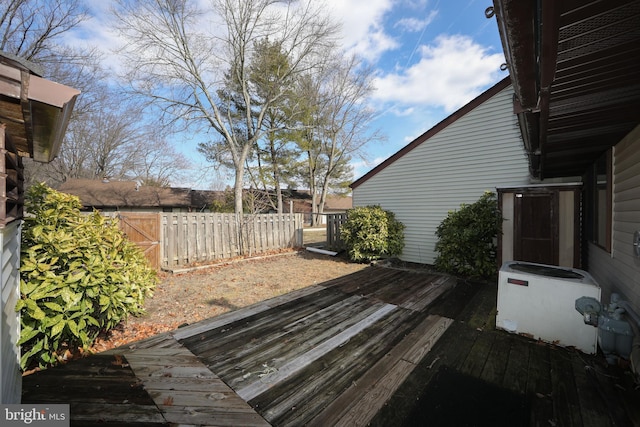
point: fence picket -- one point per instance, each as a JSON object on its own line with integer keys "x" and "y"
{"x": 334, "y": 221}
{"x": 188, "y": 238}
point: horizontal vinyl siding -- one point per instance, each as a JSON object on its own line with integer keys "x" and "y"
{"x": 480, "y": 151}
{"x": 620, "y": 270}
{"x": 10, "y": 323}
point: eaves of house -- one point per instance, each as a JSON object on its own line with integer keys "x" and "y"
{"x": 575, "y": 73}
{"x": 34, "y": 110}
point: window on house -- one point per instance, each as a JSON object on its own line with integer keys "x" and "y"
{"x": 602, "y": 189}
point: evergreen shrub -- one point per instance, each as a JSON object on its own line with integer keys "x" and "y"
{"x": 467, "y": 239}
{"x": 372, "y": 233}
{"x": 79, "y": 276}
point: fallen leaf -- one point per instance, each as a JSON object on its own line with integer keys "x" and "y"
{"x": 119, "y": 361}
{"x": 168, "y": 401}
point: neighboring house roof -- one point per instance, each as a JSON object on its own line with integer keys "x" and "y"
{"x": 128, "y": 194}
{"x": 338, "y": 203}
{"x": 434, "y": 130}
{"x": 120, "y": 194}
{"x": 203, "y": 199}
{"x": 575, "y": 75}
{"x": 302, "y": 201}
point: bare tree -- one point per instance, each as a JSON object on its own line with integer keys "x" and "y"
{"x": 105, "y": 136}
{"x": 34, "y": 30}
{"x": 159, "y": 164}
{"x": 29, "y": 28}
{"x": 336, "y": 126}
{"x": 346, "y": 125}
{"x": 176, "y": 52}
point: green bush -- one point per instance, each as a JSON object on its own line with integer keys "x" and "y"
{"x": 79, "y": 276}
{"x": 467, "y": 239}
{"x": 372, "y": 233}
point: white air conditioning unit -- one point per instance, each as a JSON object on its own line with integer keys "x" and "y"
{"x": 538, "y": 301}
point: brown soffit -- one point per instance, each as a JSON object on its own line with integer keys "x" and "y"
{"x": 574, "y": 70}
{"x": 35, "y": 110}
{"x": 480, "y": 99}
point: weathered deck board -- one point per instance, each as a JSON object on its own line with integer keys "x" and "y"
{"x": 274, "y": 357}
{"x": 252, "y": 326}
{"x": 592, "y": 407}
{"x": 564, "y": 390}
{"x": 232, "y": 316}
{"x": 235, "y": 361}
{"x": 359, "y": 403}
{"x": 430, "y": 293}
{"x": 175, "y": 379}
{"x": 497, "y": 360}
{"x": 303, "y": 396}
{"x": 122, "y": 414}
{"x": 164, "y": 340}
{"x": 323, "y": 363}
{"x": 478, "y": 355}
{"x": 366, "y": 283}
{"x": 295, "y": 365}
{"x": 98, "y": 388}
{"x": 539, "y": 385}
{"x": 517, "y": 366}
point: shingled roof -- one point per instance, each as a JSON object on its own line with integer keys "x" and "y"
{"x": 120, "y": 194}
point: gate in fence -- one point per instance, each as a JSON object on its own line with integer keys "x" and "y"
{"x": 171, "y": 239}
{"x": 143, "y": 229}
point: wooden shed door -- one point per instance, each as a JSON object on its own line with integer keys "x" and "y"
{"x": 536, "y": 227}
{"x": 143, "y": 230}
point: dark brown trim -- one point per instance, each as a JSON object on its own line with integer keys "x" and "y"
{"x": 514, "y": 19}
{"x": 577, "y": 228}
{"x": 479, "y": 100}
{"x": 499, "y": 249}
{"x": 609, "y": 236}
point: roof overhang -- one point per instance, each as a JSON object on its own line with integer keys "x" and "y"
{"x": 35, "y": 111}
{"x": 573, "y": 66}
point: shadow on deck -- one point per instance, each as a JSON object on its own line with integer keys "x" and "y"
{"x": 382, "y": 347}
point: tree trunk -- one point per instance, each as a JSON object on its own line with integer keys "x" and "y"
{"x": 237, "y": 191}
{"x": 276, "y": 177}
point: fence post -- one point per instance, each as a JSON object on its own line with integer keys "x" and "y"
{"x": 334, "y": 221}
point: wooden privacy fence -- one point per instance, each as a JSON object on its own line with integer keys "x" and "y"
{"x": 188, "y": 238}
{"x": 334, "y": 221}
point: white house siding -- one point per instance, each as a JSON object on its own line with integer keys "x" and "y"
{"x": 478, "y": 152}
{"x": 619, "y": 271}
{"x": 10, "y": 324}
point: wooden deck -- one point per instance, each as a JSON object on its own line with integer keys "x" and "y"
{"x": 376, "y": 347}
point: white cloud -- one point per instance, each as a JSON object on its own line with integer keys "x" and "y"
{"x": 97, "y": 32}
{"x": 362, "y": 26}
{"x": 361, "y": 167}
{"x": 449, "y": 73}
{"x": 415, "y": 25}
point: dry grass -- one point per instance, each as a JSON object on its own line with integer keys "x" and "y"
{"x": 189, "y": 298}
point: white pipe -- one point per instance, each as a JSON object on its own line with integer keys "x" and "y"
{"x": 321, "y": 251}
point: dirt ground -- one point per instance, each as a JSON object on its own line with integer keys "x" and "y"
{"x": 197, "y": 295}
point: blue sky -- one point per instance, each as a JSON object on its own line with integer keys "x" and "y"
{"x": 433, "y": 57}
{"x": 430, "y": 57}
